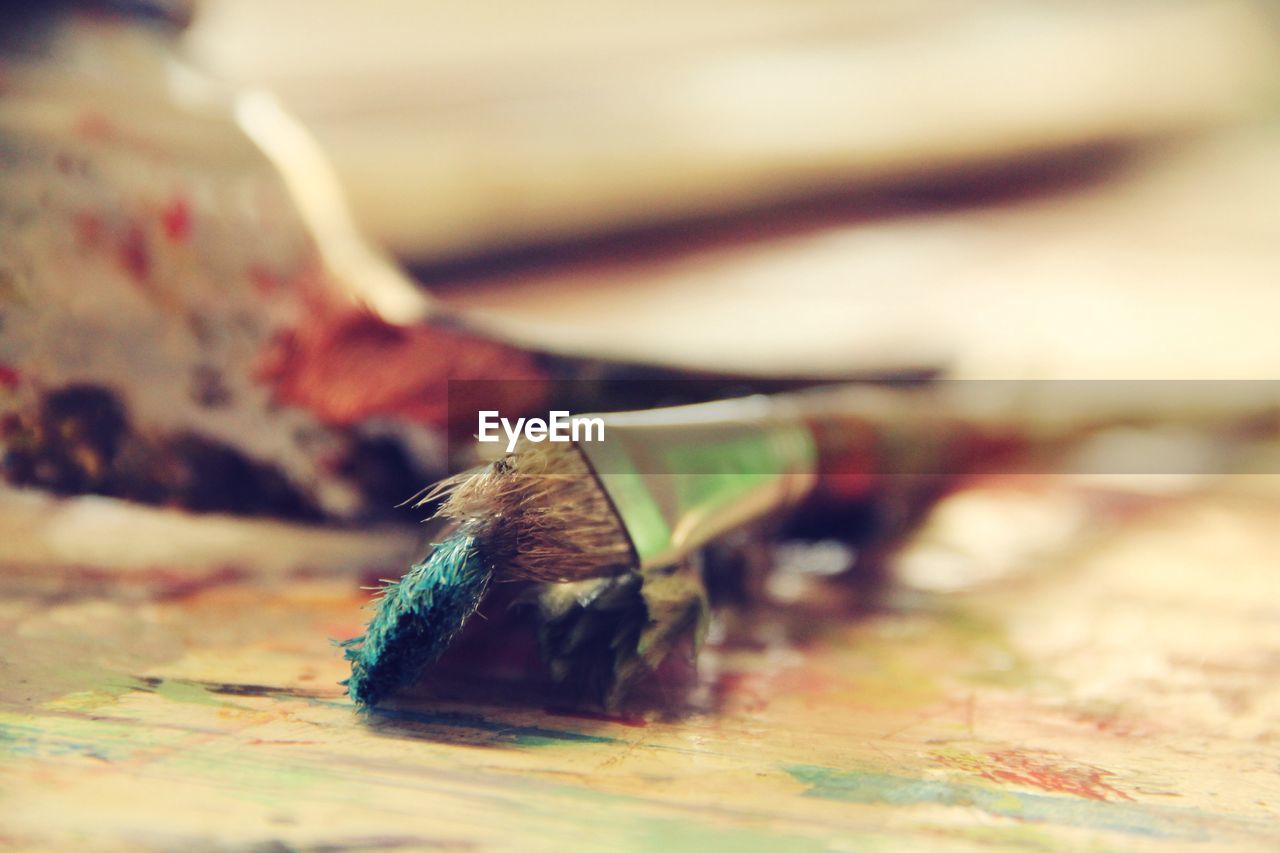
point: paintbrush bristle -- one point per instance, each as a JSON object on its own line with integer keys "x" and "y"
{"x": 417, "y": 618}
{"x": 545, "y": 515}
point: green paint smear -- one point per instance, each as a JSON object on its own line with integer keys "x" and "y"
{"x": 70, "y": 737}
{"x": 117, "y": 685}
{"x": 865, "y": 787}
{"x": 187, "y": 692}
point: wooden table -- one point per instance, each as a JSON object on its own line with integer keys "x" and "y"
{"x": 1123, "y": 695}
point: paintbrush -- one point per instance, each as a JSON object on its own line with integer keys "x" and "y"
{"x": 660, "y": 485}
{"x": 657, "y": 486}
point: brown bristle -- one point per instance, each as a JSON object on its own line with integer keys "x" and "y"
{"x": 546, "y": 517}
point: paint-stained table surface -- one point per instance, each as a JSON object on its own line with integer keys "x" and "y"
{"x": 1120, "y": 695}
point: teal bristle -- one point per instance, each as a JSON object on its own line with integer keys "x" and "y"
{"x": 418, "y": 617}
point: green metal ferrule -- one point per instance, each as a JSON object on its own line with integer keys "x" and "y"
{"x": 683, "y": 476}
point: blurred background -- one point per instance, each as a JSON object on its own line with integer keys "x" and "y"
{"x": 1007, "y": 189}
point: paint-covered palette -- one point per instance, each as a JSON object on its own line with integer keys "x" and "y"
{"x": 1121, "y": 697}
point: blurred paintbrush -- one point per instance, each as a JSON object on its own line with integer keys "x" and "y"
{"x": 663, "y": 483}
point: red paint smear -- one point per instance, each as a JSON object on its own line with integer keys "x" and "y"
{"x": 633, "y": 722}
{"x": 95, "y": 126}
{"x": 734, "y": 682}
{"x": 344, "y": 364}
{"x": 179, "y": 586}
{"x": 1120, "y": 727}
{"x": 175, "y": 219}
{"x": 746, "y": 690}
{"x": 264, "y": 281}
{"x": 1037, "y": 771}
{"x": 802, "y": 681}
{"x": 9, "y": 377}
{"x": 89, "y": 230}
{"x": 134, "y": 256}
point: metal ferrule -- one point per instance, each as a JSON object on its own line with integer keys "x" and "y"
{"x": 682, "y": 476}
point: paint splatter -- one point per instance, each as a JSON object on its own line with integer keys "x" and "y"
{"x": 1035, "y": 770}
{"x": 134, "y": 256}
{"x": 95, "y": 126}
{"x": 264, "y": 281}
{"x": 868, "y": 787}
{"x": 175, "y": 219}
{"x": 89, "y": 230}
{"x": 345, "y": 364}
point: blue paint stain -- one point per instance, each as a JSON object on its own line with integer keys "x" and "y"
{"x": 33, "y": 742}
{"x": 859, "y": 787}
